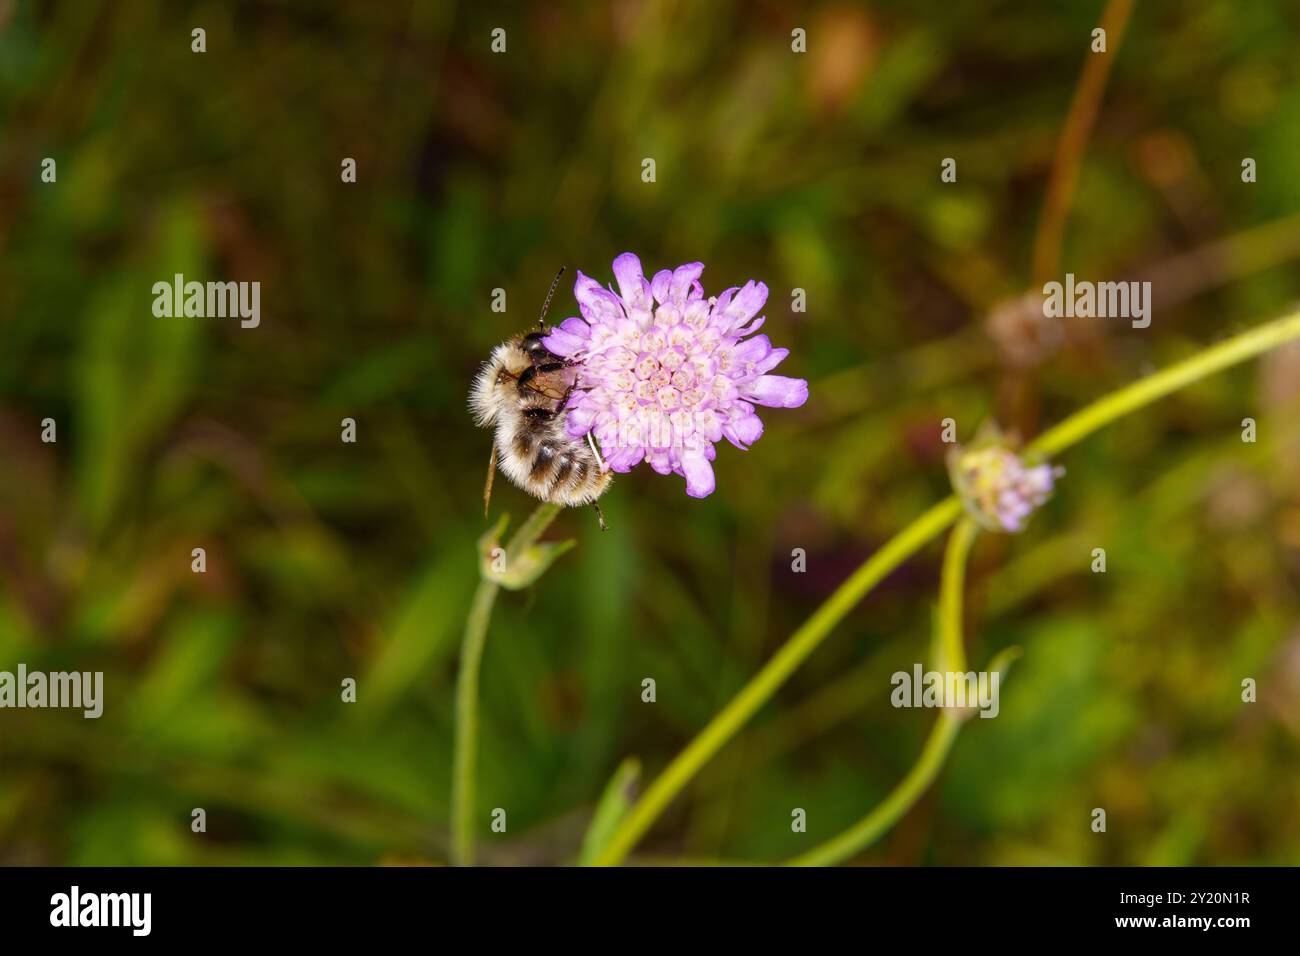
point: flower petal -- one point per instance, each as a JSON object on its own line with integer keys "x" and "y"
{"x": 724, "y": 299}
{"x": 696, "y": 314}
{"x": 746, "y": 304}
{"x": 708, "y": 424}
{"x": 625, "y": 459}
{"x": 699, "y": 473}
{"x": 571, "y": 336}
{"x": 777, "y": 391}
{"x": 773, "y": 359}
{"x": 744, "y": 430}
{"x": 659, "y": 285}
{"x": 632, "y": 283}
{"x": 598, "y": 304}
{"x": 751, "y": 350}
{"x": 579, "y": 420}
{"x": 683, "y": 279}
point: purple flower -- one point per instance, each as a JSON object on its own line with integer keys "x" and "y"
{"x": 664, "y": 373}
{"x": 996, "y": 487}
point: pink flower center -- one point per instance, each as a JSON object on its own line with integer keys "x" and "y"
{"x": 663, "y": 381}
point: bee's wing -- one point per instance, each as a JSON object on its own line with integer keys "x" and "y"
{"x": 554, "y": 385}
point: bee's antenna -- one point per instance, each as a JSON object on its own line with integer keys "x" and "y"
{"x": 541, "y": 319}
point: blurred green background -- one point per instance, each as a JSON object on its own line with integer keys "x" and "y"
{"x": 817, "y": 171}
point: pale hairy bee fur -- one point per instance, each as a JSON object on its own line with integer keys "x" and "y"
{"x": 520, "y": 393}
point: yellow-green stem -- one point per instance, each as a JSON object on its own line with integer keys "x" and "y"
{"x": 465, "y": 749}
{"x": 932, "y": 523}
{"x": 793, "y": 653}
{"x": 1143, "y": 392}
{"x": 465, "y": 759}
{"x": 951, "y": 582}
{"x": 867, "y": 830}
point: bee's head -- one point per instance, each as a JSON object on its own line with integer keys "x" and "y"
{"x": 532, "y": 346}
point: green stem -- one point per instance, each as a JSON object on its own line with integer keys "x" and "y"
{"x": 867, "y": 830}
{"x": 532, "y": 528}
{"x": 465, "y": 753}
{"x": 745, "y": 704}
{"x": 1143, "y": 392}
{"x": 465, "y": 760}
{"x": 920, "y": 532}
{"x": 951, "y": 582}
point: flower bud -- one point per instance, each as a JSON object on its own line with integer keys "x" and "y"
{"x": 999, "y": 491}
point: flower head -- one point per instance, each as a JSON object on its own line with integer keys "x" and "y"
{"x": 998, "y": 490}
{"x": 664, "y": 373}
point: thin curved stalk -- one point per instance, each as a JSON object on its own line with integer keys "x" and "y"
{"x": 952, "y": 581}
{"x": 915, "y": 536}
{"x": 775, "y": 673}
{"x": 888, "y": 812}
{"x": 465, "y": 758}
{"x": 1143, "y": 392}
{"x": 901, "y": 799}
{"x": 1079, "y": 121}
{"x": 465, "y": 749}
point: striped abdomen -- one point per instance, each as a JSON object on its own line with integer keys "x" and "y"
{"x": 550, "y": 465}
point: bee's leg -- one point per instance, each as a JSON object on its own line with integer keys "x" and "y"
{"x": 600, "y": 516}
{"x": 596, "y": 451}
{"x": 491, "y": 473}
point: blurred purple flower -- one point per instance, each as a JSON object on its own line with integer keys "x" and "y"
{"x": 996, "y": 487}
{"x": 663, "y": 372}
